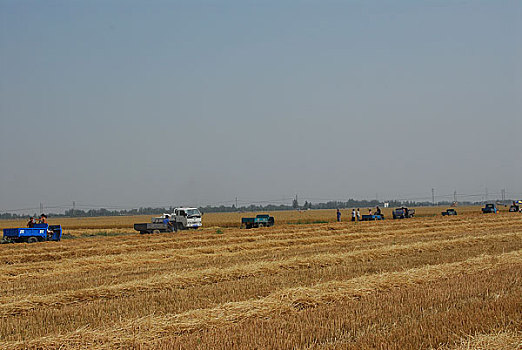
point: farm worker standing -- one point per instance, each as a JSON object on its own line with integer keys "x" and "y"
{"x": 43, "y": 219}
{"x": 167, "y": 222}
{"x": 30, "y": 224}
{"x": 338, "y": 215}
{"x": 354, "y": 214}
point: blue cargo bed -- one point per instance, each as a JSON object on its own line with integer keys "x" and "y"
{"x": 40, "y": 232}
{"x": 372, "y": 217}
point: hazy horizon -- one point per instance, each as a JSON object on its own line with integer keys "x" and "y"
{"x": 134, "y": 103}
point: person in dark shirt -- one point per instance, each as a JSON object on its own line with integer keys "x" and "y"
{"x": 43, "y": 219}
{"x": 31, "y": 222}
{"x": 338, "y": 215}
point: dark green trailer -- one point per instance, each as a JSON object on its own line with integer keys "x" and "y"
{"x": 261, "y": 220}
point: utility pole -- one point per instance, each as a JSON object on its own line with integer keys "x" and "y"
{"x": 41, "y": 208}
{"x": 236, "y": 203}
{"x": 486, "y": 194}
{"x": 455, "y": 196}
{"x": 74, "y": 208}
{"x": 503, "y": 192}
{"x": 433, "y": 196}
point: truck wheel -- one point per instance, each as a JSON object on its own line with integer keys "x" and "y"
{"x": 156, "y": 231}
{"x": 32, "y": 239}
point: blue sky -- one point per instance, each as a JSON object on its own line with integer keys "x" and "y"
{"x": 131, "y": 103}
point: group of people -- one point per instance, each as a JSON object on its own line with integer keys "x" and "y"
{"x": 32, "y": 222}
{"x": 356, "y": 214}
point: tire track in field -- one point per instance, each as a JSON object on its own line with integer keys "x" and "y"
{"x": 146, "y": 330}
{"x": 216, "y": 275}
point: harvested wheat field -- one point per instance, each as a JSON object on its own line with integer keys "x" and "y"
{"x": 307, "y": 283}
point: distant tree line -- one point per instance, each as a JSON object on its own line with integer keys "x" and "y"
{"x": 351, "y": 203}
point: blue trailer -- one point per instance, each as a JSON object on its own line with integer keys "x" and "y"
{"x": 261, "y": 220}
{"x": 372, "y": 217}
{"x": 38, "y": 233}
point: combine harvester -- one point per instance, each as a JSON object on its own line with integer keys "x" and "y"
{"x": 37, "y": 233}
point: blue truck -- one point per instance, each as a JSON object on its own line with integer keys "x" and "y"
{"x": 490, "y": 208}
{"x": 516, "y": 207}
{"x": 449, "y": 212}
{"x": 37, "y": 233}
{"x": 261, "y": 220}
{"x": 403, "y": 213}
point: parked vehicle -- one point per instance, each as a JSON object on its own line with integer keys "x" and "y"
{"x": 516, "y": 207}
{"x": 37, "y": 233}
{"x": 180, "y": 219}
{"x": 372, "y": 217}
{"x": 490, "y": 208}
{"x": 449, "y": 212}
{"x": 403, "y": 213}
{"x": 150, "y": 227}
{"x": 261, "y": 220}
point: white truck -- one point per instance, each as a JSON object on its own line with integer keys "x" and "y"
{"x": 180, "y": 219}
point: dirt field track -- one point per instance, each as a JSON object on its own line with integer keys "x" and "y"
{"x": 307, "y": 283}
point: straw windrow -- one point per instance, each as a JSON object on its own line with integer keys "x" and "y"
{"x": 148, "y": 329}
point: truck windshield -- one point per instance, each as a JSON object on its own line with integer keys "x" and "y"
{"x": 193, "y": 213}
